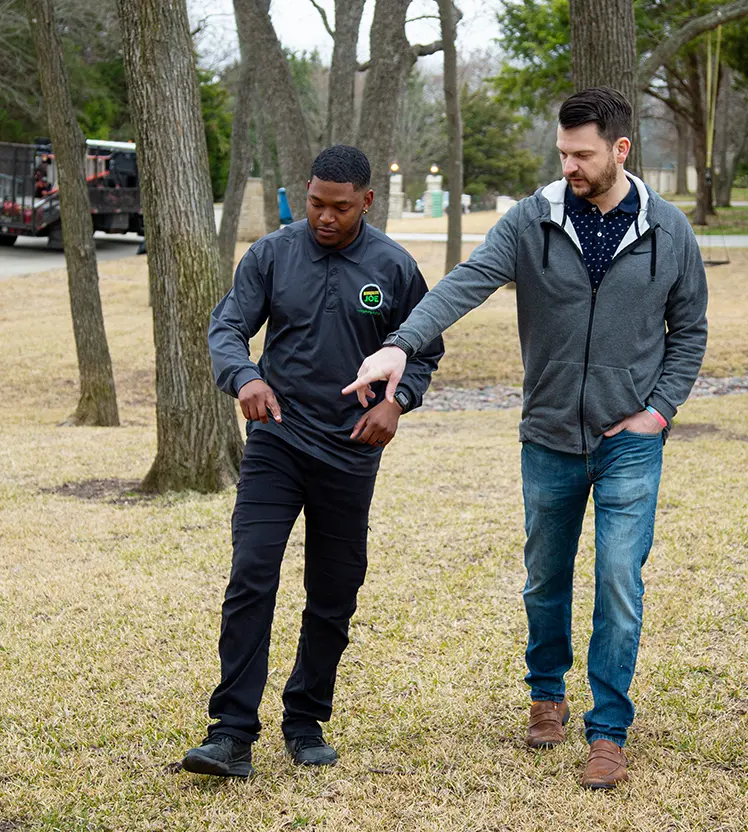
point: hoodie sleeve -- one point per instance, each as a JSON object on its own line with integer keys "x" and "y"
{"x": 469, "y": 284}
{"x": 236, "y": 319}
{"x": 418, "y": 370}
{"x": 686, "y": 329}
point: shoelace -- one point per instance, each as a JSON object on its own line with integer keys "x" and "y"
{"x": 309, "y": 742}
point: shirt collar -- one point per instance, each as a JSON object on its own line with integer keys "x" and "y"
{"x": 354, "y": 251}
{"x": 629, "y": 204}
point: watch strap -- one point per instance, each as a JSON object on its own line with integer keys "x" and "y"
{"x": 394, "y": 340}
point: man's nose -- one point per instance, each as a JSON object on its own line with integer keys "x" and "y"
{"x": 569, "y": 166}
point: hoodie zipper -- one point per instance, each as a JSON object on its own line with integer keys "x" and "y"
{"x": 593, "y": 300}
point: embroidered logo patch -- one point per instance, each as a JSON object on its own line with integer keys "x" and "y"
{"x": 371, "y": 297}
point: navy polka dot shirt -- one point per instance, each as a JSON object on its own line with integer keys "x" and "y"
{"x": 600, "y": 234}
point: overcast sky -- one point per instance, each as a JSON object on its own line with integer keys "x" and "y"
{"x": 300, "y": 27}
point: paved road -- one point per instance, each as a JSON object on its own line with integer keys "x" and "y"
{"x": 30, "y": 254}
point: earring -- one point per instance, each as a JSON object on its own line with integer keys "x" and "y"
{"x": 366, "y": 210}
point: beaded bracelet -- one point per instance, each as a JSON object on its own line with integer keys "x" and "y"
{"x": 660, "y": 418}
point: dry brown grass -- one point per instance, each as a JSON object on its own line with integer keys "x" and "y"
{"x": 109, "y": 614}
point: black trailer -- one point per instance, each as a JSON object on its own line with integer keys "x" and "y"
{"x": 29, "y": 193}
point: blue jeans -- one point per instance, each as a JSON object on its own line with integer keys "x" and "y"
{"x": 624, "y": 475}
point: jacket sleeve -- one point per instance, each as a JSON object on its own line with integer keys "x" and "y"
{"x": 685, "y": 337}
{"x": 491, "y": 265}
{"x": 418, "y": 370}
{"x": 236, "y": 319}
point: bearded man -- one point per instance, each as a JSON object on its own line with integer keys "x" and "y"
{"x": 611, "y": 305}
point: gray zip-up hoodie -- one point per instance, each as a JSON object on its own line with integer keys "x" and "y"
{"x": 591, "y": 357}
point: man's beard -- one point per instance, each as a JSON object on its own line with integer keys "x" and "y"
{"x": 597, "y": 187}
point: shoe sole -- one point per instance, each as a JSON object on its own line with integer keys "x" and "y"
{"x": 598, "y": 786}
{"x": 318, "y": 763}
{"x": 197, "y": 764}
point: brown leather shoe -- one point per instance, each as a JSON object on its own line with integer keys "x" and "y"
{"x": 606, "y": 766}
{"x": 546, "y": 726}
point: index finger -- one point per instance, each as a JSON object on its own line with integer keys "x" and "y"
{"x": 361, "y": 382}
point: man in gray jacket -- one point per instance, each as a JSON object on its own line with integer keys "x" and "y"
{"x": 611, "y": 304}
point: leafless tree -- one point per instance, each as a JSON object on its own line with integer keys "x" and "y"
{"x": 449, "y": 16}
{"x": 199, "y": 445}
{"x": 98, "y": 401}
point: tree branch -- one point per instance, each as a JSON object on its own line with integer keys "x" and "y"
{"x": 364, "y": 66}
{"x": 323, "y": 15}
{"x": 670, "y": 103}
{"x": 664, "y": 51}
{"x": 420, "y": 50}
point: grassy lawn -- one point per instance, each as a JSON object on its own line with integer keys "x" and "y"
{"x": 110, "y": 603}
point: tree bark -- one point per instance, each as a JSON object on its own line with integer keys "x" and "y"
{"x": 684, "y": 146}
{"x": 240, "y": 167}
{"x": 267, "y": 168}
{"x": 603, "y": 53}
{"x": 283, "y": 107}
{"x": 454, "y": 135}
{"x": 703, "y": 189}
{"x": 340, "y": 106}
{"x": 392, "y": 58}
{"x": 98, "y": 401}
{"x": 199, "y": 445}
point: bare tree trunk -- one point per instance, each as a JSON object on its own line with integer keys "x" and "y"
{"x": 239, "y": 169}
{"x": 391, "y": 61}
{"x": 267, "y": 168}
{"x": 98, "y": 401}
{"x": 732, "y": 136}
{"x": 340, "y": 109}
{"x": 454, "y": 135}
{"x": 241, "y": 148}
{"x": 684, "y": 146}
{"x": 199, "y": 445}
{"x": 703, "y": 188}
{"x": 603, "y": 53}
{"x": 283, "y": 106}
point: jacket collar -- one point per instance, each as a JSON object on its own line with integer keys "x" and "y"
{"x": 354, "y": 251}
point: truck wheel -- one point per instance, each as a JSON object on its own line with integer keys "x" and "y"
{"x": 55, "y": 236}
{"x": 8, "y": 239}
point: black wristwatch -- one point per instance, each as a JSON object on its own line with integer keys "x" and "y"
{"x": 403, "y": 399}
{"x": 394, "y": 340}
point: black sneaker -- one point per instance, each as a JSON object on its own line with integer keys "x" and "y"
{"x": 311, "y": 751}
{"x": 221, "y": 755}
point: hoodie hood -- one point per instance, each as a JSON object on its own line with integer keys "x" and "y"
{"x": 555, "y": 194}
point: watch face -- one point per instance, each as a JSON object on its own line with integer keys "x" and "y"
{"x": 402, "y": 399}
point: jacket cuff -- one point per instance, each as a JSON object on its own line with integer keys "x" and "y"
{"x": 243, "y": 377}
{"x": 663, "y": 407}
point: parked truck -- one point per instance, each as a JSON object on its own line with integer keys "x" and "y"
{"x": 29, "y": 192}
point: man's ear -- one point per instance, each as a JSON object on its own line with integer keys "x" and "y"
{"x": 622, "y": 149}
{"x": 368, "y": 199}
{"x": 308, "y": 183}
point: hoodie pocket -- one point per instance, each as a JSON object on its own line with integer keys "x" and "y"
{"x": 552, "y": 405}
{"x": 609, "y": 396}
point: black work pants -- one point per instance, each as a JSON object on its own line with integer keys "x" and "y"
{"x": 276, "y": 482}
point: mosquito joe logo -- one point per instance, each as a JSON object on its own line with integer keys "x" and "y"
{"x": 371, "y": 299}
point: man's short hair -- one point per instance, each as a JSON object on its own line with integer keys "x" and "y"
{"x": 603, "y": 106}
{"x": 342, "y": 163}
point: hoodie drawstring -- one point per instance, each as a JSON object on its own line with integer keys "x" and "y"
{"x": 653, "y": 258}
{"x": 546, "y": 245}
